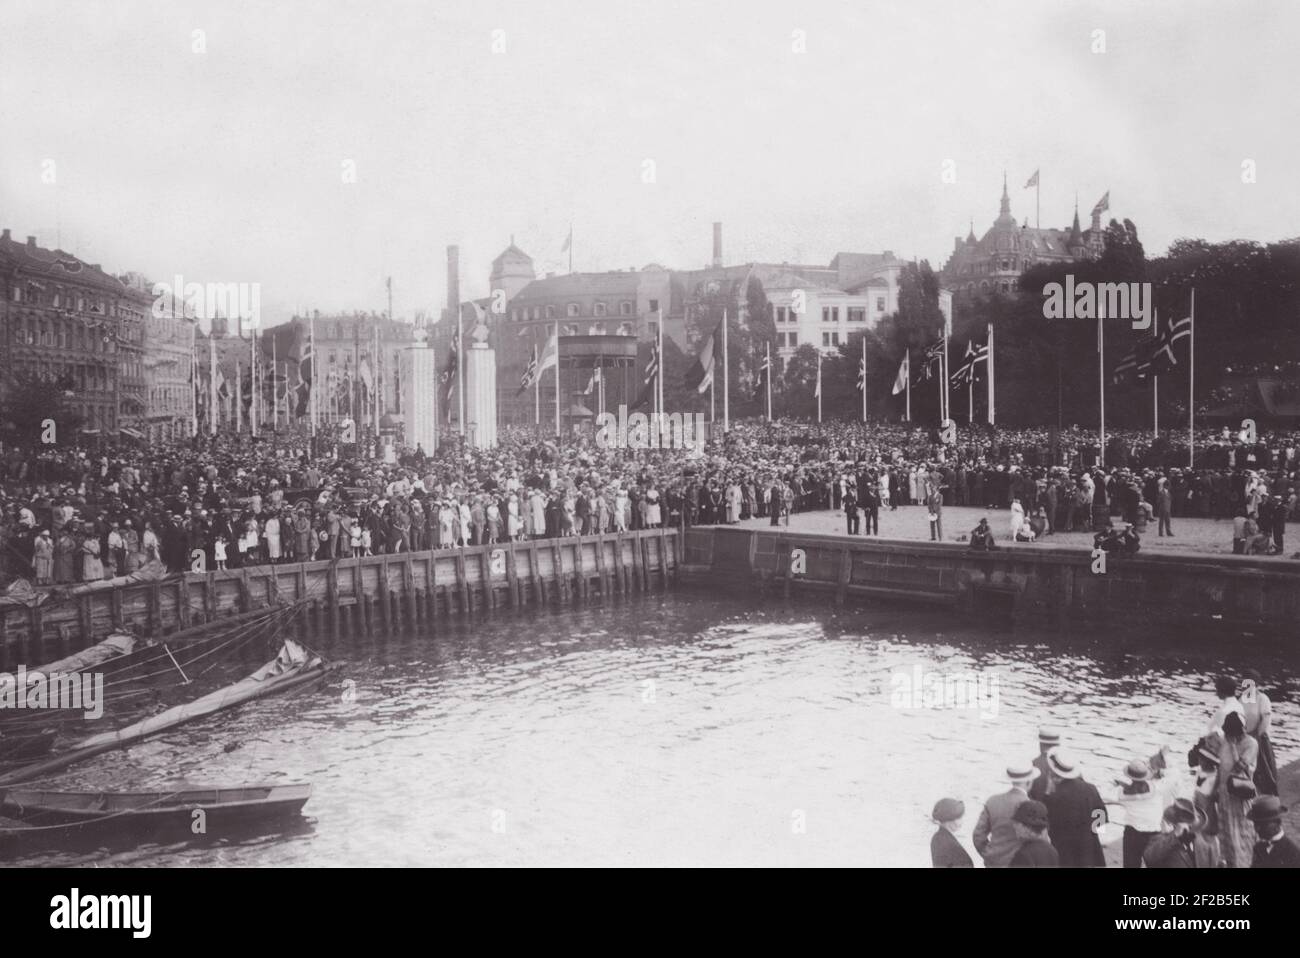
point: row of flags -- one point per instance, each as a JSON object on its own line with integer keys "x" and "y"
{"x": 932, "y": 354}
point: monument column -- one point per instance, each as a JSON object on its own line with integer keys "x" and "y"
{"x": 420, "y": 386}
{"x": 481, "y": 390}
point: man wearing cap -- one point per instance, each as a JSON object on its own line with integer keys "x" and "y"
{"x": 1182, "y": 842}
{"x": 1030, "y": 821}
{"x": 945, "y": 849}
{"x": 1048, "y": 739}
{"x": 1075, "y": 813}
{"x": 995, "y": 836}
{"x": 1274, "y": 849}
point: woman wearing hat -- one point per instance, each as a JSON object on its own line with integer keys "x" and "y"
{"x": 1238, "y": 754}
{"x": 1257, "y": 714}
{"x": 1031, "y": 820}
{"x": 1143, "y": 800}
{"x": 945, "y": 850}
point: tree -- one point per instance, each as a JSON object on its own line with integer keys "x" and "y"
{"x": 33, "y": 404}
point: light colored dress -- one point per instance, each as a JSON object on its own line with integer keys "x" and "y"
{"x": 272, "y": 533}
{"x": 1236, "y": 832}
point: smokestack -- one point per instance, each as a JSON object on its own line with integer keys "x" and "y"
{"x": 453, "y": 280}
{"x": 717, "y": 244}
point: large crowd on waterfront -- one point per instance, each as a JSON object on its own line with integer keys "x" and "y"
{"x": 1218, "y": 809}
{"x": 77, "y": 515}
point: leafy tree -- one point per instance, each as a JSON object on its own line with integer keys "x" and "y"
{"x": 31, "y": 401}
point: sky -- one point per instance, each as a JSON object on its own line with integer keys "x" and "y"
{"x": 317, "y": 148}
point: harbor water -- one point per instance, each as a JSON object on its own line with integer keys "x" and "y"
{"x": 679, "y": 729}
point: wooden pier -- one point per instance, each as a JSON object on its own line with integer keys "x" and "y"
{"x": 366, "y": 595}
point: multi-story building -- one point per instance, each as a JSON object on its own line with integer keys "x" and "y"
{"x": 994, "y": 262}
{"x": 169, "y": 350}
{"x": 67, "y": 320}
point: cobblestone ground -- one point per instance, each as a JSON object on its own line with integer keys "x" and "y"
{"x": 1191, "y": 536}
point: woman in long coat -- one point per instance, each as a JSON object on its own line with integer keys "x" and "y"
{"x": 537, "y": 509}
{"x": 65, "y": 558}
{"x": 43, "y": 552}
{"x": 1258, "y": 718}
{"x": 303, "y": 546}
{"x": 1238, "y": 753}
{"x": 92, "y": 569}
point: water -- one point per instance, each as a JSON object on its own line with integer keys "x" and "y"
{"x": 672, "y": 730}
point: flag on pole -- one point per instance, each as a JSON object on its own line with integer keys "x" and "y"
{"x": 550, "y": 357}
{"x": 700, "y": 375}
{"x": 764, "y": 371}
{"x": 568, "y": 241}
{"x": 1162, "y": 354}
{"x": 1033, "y": 180}
{"x": 862, "y": 375}
{"x": 530, "y": 373}
{"x": 1103, "y": 205}
{"x": 818, "y": 391}
{"x": 933, "y": 354}
{"x": 900, "y": 381}
{"x": 652, "y": 367}
{"x": 965, "y": 374}
{"x": 449, "y": 371}
{"x": 593, "y": 382}
{"x": 305, "y": 364}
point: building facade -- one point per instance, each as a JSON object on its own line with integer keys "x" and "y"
{"x": 168, "y": 359}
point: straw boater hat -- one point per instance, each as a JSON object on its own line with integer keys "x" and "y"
{"x": 1048, "y": 735}
{"x": 1022, "y": 773}
{"x": 1063, "y": 764}
{"x": 1136, "y": 771}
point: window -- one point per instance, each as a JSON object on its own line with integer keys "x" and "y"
{"x": 568, "y": 329}
{"x": 598, "y": 309}
{"x": 625, "y": 308}
{"x": 880, "y": 304}
{"x": 550, "y": 312}
{"x": 857, "y": 314}
{"x": 654, "y": 305}
{"x": 830, "y": 314}
{"x": 571, "y": 309}
{"x": 793, "y": 339}
{"x": 625, "y": 329}
{"x": 596, "y": 329}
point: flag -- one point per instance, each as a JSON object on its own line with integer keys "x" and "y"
{"x": 700, "y": 375}
{"x": 550, "y": 356}
{"x": 591, "y": 383}
{"x": 818, "y": 390}
{"x": 862, "y": 375}
{"x": 652, "y": 367}
{"x": 900, "y": 381}
{"x": 1033, "y": 180}
{"x": 1136, "y": 364}
{"x": 965, "y": 374}
{"x": 933, "y": 354}
{"x": 1162, "y": 353}
{"x": 530, "y": 374}
{"x": 306, "y": 363}
{"x": 764, "y": 371}
{"x": 568, "y": 241}
{"x": 1103, "y": 205}
{"x": 449, "y": 371}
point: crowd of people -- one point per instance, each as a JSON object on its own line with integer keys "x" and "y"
{"x": 1224, "y": 812}
{"x": 76, "y": 515}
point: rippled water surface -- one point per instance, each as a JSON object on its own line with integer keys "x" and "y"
{"x": 672, "y": 730}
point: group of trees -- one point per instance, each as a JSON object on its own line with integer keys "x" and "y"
{"x": 1247, "y": 305}
{"x": 31, "y": 404}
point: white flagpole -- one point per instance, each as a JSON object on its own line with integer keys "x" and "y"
{"x": 460, "y": 372}
{"x": 315, "y": 373}
{"x": 907, "y": 378}
{"x": 659, "y": 373}
{"x": 726, "y": 385}
{"x": 943, "y": 367}
{"x": 252, "y": 373}
{"x": 1101, "y": 380}
{"x": 1155, "y": 389}
{"x": 990, "y": 372}
{"x": 275, "y": 392}
{"x": 557, "y": 378}
{"x": 212, "y": 384}
{"x": 819, "y": 387}
{"x": 537, "y": 390}
{"x": 1191, "y": 387}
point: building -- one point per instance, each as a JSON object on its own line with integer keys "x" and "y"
{"x": 994, "y": 262}
{"x": 67, "y": 320}
{"x": 597, "y": 313}
{"x": 169, "y": 349}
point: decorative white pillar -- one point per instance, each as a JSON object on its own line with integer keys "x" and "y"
{"x": 481, "y": 390}
{"x": 420, "y": 386}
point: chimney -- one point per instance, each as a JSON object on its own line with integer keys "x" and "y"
{"x": 95, "y": 267}
{"x": 5, "y": 235}
{"x": 453, "y": 280}
{"x": 31, "y": 241}
{"x": 717, "y": 244}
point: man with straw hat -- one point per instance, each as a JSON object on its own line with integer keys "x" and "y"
{"x": 995, "y": 837}
{"x": 1075, "y": 812}
{"x": 1048, "y": 739}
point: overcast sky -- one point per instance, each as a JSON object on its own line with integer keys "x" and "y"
{"x": 227, "y": 164}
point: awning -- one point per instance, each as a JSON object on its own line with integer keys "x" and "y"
{"x": 133, "y": 433}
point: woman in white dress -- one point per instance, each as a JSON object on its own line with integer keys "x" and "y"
{"x": 653, "y": 517}
{"x": 514, "y": 526}
{"x": 733, "y": 502}
{"x": 272, "y": 533}
{"x": 620, "y": 510}
{"x": 1017, "y": 518}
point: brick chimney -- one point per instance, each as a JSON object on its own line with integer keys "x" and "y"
{"x": 717, "y": 244}
{"x": 453, "y": 280}
{"x": 31, "y": 241}
{"x": 5, "y": 234}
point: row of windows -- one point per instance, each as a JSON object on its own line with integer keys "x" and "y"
{"x": 84, "y": 376}
{"x": 830, "y": 314}
{"x": 787, "y": 339}
{"x": 1005, "y": 286}
{"x": 625, "y": 308}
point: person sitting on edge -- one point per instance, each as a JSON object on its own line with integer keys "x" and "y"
{"x": 981, "y": 537}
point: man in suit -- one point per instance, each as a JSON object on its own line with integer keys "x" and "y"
{"x": 1183, "y": 843}
{"x": 1274, "y": 849}
{"x": 1048, "y": 739}
{"x": 945, "y": 850}
{"x": 1075, "y": 813}
{"x": 851, "y": 509}
{"x": 1030, "y": 819}
{"x": 995, "y": 836}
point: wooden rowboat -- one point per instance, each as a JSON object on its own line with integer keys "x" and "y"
{"x": 52, "y": 816}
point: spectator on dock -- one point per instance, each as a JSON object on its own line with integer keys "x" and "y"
{"x": 1274, "y": 849}
{"x": 1043, "y": 784}
{"x": 945, "y": 850}
{"x": 996, "y": 838}
{"x": 1184, "y": 841}
{"x": 981, "y": 537}
{"x": 1076, "y": 813}
{"x": 1031, "y": 820}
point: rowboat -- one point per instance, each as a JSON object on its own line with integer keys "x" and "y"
{"x": 51, "y": 816}
{"x": 293, "y": 667}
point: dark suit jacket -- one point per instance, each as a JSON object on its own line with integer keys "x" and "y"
{"x": 1070, "y": 819}
{"x": 1036, "y": 853}
{"x": 1283, "y": 853}
{"x": 946, "y": 851}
